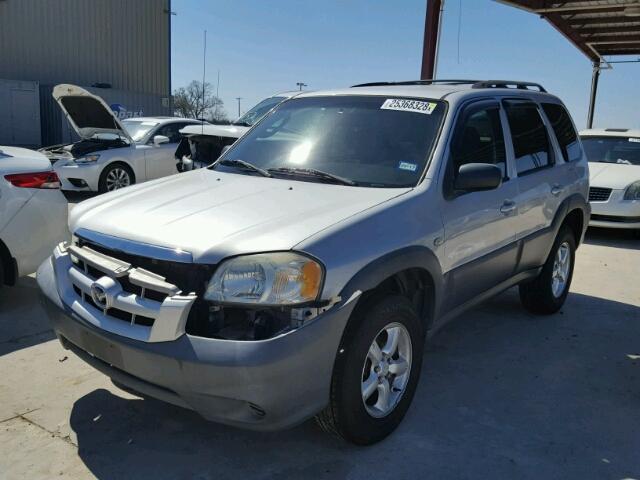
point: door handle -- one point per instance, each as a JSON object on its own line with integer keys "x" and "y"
{"x": 556, "y": 190}
{"x": 507, "y": 207}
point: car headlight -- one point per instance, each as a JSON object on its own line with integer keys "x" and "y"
{"x": 87, "y": 159}
{"x": 280, "y": 278}
{"x": 633, "y": 191}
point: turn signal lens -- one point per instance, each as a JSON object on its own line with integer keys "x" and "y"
{"x": 34, "y": 180}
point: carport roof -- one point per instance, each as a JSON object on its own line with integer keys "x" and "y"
{"x": 596, "y": 28}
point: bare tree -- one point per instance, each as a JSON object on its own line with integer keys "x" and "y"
{"x": 194, "y": 101}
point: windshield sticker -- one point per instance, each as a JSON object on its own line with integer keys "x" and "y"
{"x": 411, "y": 167}
{"x": 415, "y": 106}
{"x": 635, "y": 140}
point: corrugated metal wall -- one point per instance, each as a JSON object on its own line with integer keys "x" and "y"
{"x": 121, "y": 42}
{"x": 19, "y": 113}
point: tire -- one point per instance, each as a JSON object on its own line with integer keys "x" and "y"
{"x": 114, "y": 177}
{"x": 541, "y": 295}
{"x": 347, "y": 415}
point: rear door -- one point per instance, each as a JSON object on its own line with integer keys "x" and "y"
{"x": 543, "y": 178}
{"x": 480, "y": 227}
{"x": 160, "y": 160}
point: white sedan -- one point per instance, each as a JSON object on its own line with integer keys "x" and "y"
{"x": 614, "y": 166}
{"x": 33, "y": 212}
{"x": 112, "y": 154}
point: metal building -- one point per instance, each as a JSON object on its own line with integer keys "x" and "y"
{"x": 117, "y": 49}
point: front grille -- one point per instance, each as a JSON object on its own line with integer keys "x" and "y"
{"x": 599, "y": 194}
{"x": 613, "y": 218}
{"x": 188, "y": 277}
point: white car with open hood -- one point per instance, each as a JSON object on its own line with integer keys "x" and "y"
{"x": 614, "y": 165}
{"x": 111, "y": 154}
{"x": 33, "y": 212}
{"x": 203, "y": 144}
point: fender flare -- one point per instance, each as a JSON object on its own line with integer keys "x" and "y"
{"x": 384, "y": 267}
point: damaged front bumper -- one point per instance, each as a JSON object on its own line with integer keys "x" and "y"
{"x": 262, "y": 385}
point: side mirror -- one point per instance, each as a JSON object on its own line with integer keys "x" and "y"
{"x": 160, "y": 139}
{"x": 478, "y": 176}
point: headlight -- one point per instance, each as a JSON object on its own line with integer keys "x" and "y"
{"x": 87, "y": 159}
{"x": 281, "y": 278}
{"x": 633, "y": 191}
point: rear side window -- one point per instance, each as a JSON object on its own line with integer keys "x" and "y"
{"x": 563, "y": 129}
{"x": 529, "y": 135}
{"x": 479, "y": 139}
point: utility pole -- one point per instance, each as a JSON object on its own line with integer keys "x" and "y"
{"x": 238, "y": 98}
{"x": 204, "y": 69}
{"x": 300, "y": 85}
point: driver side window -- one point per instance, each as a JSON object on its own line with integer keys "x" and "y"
{"x": 479, "y": 139}
{"x": 171, "y": 131}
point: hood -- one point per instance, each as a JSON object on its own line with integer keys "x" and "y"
{"x": 88, "y": 114}
{"x": 213, "y": 215}
{"x": 232, "y": 131}
{"x": 613, "y": 175}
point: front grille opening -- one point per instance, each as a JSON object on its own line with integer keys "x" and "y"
{"x": 144, "y": 321}
{"x": 77, "y": 290}
{"x": 599, "y": 194}
{"x": 120, "y": 314}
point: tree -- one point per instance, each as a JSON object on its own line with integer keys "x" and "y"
{"x": 189, "y": 102}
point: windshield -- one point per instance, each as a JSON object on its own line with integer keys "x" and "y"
{"x": 137, "y": 129}
{"x": 258, "y": 111}
{"x": 623, "y": 150}
{"x": 372, "y": 141}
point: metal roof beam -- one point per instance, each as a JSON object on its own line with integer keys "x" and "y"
{"x": 602, "y": 20}
{"x": 607, "y": 30}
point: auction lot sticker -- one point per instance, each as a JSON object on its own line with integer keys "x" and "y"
{"x": 415, "y": 106}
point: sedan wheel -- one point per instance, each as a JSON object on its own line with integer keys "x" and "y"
{"x": 117, "y": 178}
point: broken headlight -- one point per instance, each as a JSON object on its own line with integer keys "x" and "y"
{"x": 266, "y": 279}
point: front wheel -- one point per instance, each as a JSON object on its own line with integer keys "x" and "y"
{"x": 114, "y": 177}
{"x": 546, "y": 293}
{"x": 376, "y": 372}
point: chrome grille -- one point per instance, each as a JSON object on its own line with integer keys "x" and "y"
{"x": 599, "y": 194}
{"x": 118, "y": 296}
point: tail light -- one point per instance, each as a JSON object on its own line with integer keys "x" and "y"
{"x": 34, "y": 180}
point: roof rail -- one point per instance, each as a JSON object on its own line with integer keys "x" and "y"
{"x": 419, "y": 82}
{"x": 508, "y": 84}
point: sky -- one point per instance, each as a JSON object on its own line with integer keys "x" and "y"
{"x": 262, "y": 48}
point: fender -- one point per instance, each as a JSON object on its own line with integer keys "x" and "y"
{"x": 377, "y": 271}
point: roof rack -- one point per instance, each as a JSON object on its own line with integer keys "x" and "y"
{"x": 508, "y": 84}
{"x": 473, "y": 83}
{"x": 418, "y": 82}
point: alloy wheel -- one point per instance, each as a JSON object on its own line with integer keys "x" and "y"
{"x": 386, "y": 370}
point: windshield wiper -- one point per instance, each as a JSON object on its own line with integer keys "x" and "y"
{"x": 249, "y": 166}
{"x": 241, "y": 124}
{"x": 312, "y": 172}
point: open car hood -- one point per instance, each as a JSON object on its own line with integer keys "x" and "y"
{"x": 87, "y": 113}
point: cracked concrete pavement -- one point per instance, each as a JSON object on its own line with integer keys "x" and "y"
{"x": 503, "y": 394}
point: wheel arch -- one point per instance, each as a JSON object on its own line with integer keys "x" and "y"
{"x": 413, "y": 272}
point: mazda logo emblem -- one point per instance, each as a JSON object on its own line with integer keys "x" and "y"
{"x": 99, "y": 295}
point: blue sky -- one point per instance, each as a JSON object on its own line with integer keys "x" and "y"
{"x": 265, "y": 47}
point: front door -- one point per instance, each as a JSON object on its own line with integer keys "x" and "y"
{"x": 480, "y": 227}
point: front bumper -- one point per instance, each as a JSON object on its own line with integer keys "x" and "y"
{"x": 261, "y": 385}
{"x": 616, "y": 212}
{"x": 70, "y": 172}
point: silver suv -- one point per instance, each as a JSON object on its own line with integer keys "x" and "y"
{"x": 300, "y": 274}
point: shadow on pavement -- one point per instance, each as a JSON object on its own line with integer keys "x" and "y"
{"x": 23, "y": 322}
{"x": 611, "y": 237}
{"x": 503, "y": 394}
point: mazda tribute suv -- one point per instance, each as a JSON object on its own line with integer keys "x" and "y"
{"x": 301, "y": 273}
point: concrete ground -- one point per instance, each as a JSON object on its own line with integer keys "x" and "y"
{"x": 503, "y": 394}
